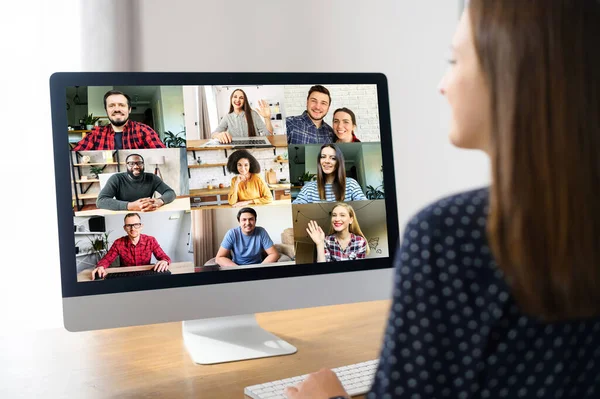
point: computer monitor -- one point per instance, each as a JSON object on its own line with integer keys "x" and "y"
{"x": 172, "y": 229}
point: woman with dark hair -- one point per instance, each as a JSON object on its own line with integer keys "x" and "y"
{"x": 344, "y": 125}
{"x": 497, "y": 291}
{"x": 243, "y": 121}
{"x": 332, "y": 183}
{"x": 345, "y": 241}
{"x": 247, "y": 187}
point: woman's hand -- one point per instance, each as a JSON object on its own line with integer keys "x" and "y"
{"x": 264, "y": 109}
{"x": 240, "y": 179}
{"x": 315, "y": 232}
{"x": 241, "y": 203}
{"x": 323, "y": 384}
{"x": 223, "y": 137}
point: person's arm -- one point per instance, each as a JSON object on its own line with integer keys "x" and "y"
{"x": 162, "y": 260}
{"x": 323, "y": 384}
{"x": 232, "y": 195}
{"x": 420, "y": 328}
{"x": 87, "y": 143}
{"x": 110, "y": 256}
{"x": 263, "y": 128}
{"x": 106, "y": 198}
{"x": 288, "y": 130}
{"x": 356, "y": 193}
{"x": 316, "y": 233}
{"x": 222, "y": 127}
{"x": 272, "y": 255}
{"x": 362, "y": 251}
{"x": 265, "y": 196}
{"x": 302, "y": 197}
{"x": 158, "y": 252}
{"x": 167, "y": 195}
{"x": 222, "y": 259}
{"x": 150, "y": 138}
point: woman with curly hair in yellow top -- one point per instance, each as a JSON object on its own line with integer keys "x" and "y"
{"x": 247, "y": 187}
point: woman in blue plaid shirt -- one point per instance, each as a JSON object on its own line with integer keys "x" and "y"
{"x": 345, "y": 241}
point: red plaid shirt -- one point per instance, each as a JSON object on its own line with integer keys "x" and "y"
{"x": 356, "y": 249}
{"x": 134, "y": 255}
{"x": 135, "y": 135}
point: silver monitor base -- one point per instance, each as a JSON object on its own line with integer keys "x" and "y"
{"x": 229, "y": 339}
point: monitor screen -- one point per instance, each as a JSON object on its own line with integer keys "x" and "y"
{"x": 168, "y": 181}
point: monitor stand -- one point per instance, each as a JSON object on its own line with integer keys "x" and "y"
{"x": 229, "y": 339}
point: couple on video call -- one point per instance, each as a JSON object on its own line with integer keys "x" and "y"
{"x": 308, "y": 128}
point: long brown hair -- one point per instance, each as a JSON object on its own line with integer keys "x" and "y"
{"x": 247, "y": 111}
{"x": 339, "y": 182}
{"x": 354, "y": 228}
{"x": 541, "y": 63}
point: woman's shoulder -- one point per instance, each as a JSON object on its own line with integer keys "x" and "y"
{"x": 350, "y": 181}
{"x": 464, "y": 211}
{"x": 309, "y": 185}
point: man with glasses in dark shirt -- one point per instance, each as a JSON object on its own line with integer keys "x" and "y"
{"x": 133, "y": 190}
{"x": 134, "y": 249}
{"x": 121, "y": 133}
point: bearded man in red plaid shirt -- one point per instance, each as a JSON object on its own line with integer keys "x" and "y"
{"x": 134, "y": 249}
{"x": 121, "y": 133}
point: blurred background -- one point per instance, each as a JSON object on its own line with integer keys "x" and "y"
{"x": 406, "y": 40}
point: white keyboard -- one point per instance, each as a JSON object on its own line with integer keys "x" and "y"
{"x": 356, "y": 380}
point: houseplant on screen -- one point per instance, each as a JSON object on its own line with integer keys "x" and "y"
{"x": 90, "y": 121}
{"x": 173, "y": 140}
{"x": 307, "y": 176}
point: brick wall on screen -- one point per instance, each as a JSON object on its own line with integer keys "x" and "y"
{"x": 361, "y": 99}
{"x": 202, "y": 176}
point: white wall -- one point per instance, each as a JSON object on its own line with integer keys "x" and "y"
{"x": 406, "y": 40}
{"x": 41, "y": 37}
{"x": 372, "y": 161}
{"x": 172, "y": 109}
{"x": 96, "y": 99}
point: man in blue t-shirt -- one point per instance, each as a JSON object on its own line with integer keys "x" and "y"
{"x": 247, "y": 243}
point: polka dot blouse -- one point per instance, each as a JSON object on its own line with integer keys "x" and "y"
{"x": 454, "y": 329}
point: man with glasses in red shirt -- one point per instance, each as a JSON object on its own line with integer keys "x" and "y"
{"x": 121, "y": 133}
{"x": 134, "y": 249}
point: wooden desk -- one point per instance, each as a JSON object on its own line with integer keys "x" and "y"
{"x": 179, "y": 204}
{"x": 152, "y": 362}
{"x": 174, "y": 267}
{"x": 279, "y": 140}
{"x": 287, "y": 202}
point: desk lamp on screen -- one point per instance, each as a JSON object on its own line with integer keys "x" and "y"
{"x": 221, "y": 232}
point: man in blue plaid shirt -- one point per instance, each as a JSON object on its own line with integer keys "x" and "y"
{"x": 309, "y": 128}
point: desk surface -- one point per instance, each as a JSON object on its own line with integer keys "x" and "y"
{"x": 179, "y": 204}
{"x": 174, "y": 267}
{"x": 225, "y": 190}
{"x": 152, "y": 362}
{"x": 287, "y": 202}
{"x": 279, "y": 140}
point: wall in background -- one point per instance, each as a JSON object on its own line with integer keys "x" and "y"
{"x": 406, "y": 40}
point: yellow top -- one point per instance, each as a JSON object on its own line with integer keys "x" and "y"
{"x": 254, "y": 189}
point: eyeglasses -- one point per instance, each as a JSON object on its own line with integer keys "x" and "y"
{"x": 131, "y": 164}
{"x": 133, "y": 226}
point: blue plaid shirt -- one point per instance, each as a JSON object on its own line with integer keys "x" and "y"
{"x": 302, "y": 130}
